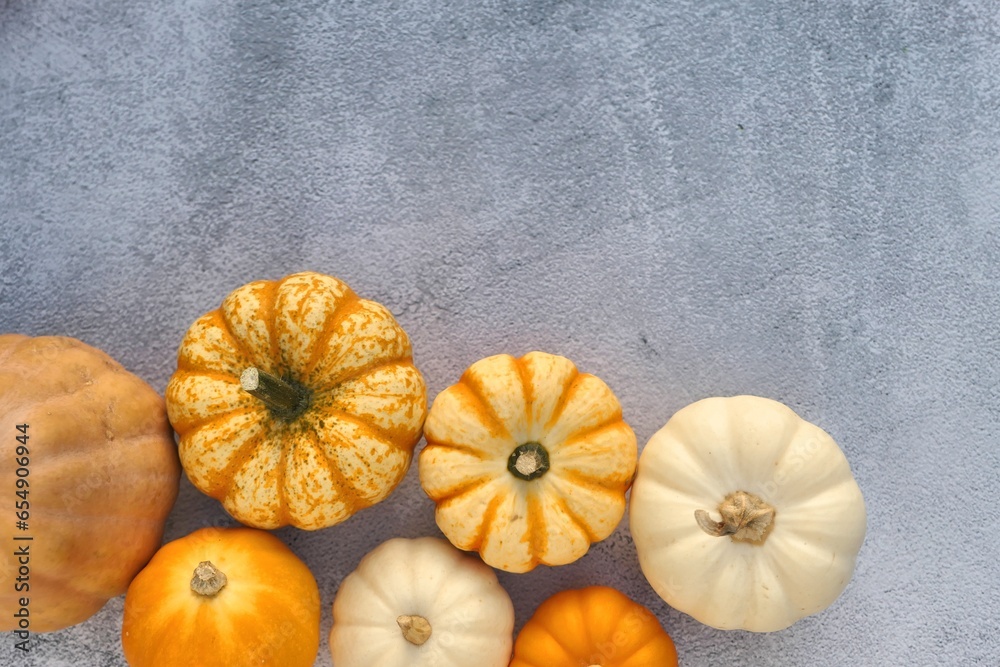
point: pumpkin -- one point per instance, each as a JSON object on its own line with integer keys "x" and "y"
{"x": 296, "y": 402}
{"x": 222, "y": 597}
{"x": 595, "y": 626}
{"x": 528, "y": 461}
{"x": 89, "y": 474}
{"x": 744, "y": 515}
{"x": 421, "y": 603}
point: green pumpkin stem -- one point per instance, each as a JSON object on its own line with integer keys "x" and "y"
{"x": 284, "y": 399}
{"x": 528, "y": 461}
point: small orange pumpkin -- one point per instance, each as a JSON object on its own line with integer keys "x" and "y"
{"x": 596, "y": 627}
{"x": 297, "y": 402}
{"x": 222, "y": 597}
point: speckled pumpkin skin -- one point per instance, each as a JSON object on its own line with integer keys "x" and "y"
{"x": 353, "y": 443}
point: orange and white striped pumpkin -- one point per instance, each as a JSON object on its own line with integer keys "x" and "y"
{"x": 528, "y": 461}
{"x": 297, "y": 402}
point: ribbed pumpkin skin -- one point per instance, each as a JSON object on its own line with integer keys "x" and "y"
{"x": 721, "y": 445}
{"x": 471, "y": 615}
{"x": 351, "y": 446}
{"x": 266, "y": 615}
{"x": 595, "y": 626}
{"x": 103, "y": 476}
{"x": 500, "y": 404}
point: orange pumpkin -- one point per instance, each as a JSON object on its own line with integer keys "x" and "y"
{"x": 222, "y": 597}
{"x": 596, "y": 627}
{"x": 89, "y": 466}
{"x": 297, "y": 402}
{"x": 528, "y": 461}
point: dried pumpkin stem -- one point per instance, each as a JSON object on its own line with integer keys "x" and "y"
{"x": 208, "y": 579}
{"x": 528, "y": 461}
{"x": 416, "y": 629}
{"x": 745, "y": 517}
{"x": 283, "y": 398}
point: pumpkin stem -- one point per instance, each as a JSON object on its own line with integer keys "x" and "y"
{"x": 416, "y": 629}
{"x": 285, "y": 399}
{"x": 528, "y": 461}
{"x": 745, "y": 517}
{"x": 208, "y": 579}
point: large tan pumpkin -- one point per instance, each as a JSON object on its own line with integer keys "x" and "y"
{"x": 90, "y": 460}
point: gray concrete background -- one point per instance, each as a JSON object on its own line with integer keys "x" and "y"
{"x": 796, "y": 200}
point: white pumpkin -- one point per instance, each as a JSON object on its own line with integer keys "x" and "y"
{"x": 421, "y": 603}
{"x": 744, "y": 515}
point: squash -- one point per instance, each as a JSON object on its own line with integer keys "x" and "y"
{"x": 89, "y": 472}
{"x": 596, "y": 626}
{"x": 744, "y": 515}
{"x": 296, "y": 402}
{"x": 528, "y": 461}
{"x": 421, "y": 603}
{"x": 222, "y": 597}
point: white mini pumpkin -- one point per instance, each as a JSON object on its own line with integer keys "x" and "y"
{"x": 421, "y": 603}
{"x": 744, "y": 515}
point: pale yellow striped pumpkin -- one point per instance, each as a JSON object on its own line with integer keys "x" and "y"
{"x": 528, "y": 461}
{"x": 297, "y": 402}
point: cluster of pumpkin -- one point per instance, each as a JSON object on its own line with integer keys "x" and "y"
{"x": 297, "y": 403}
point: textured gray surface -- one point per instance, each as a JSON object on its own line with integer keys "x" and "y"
{"x": 686, "y": 198}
